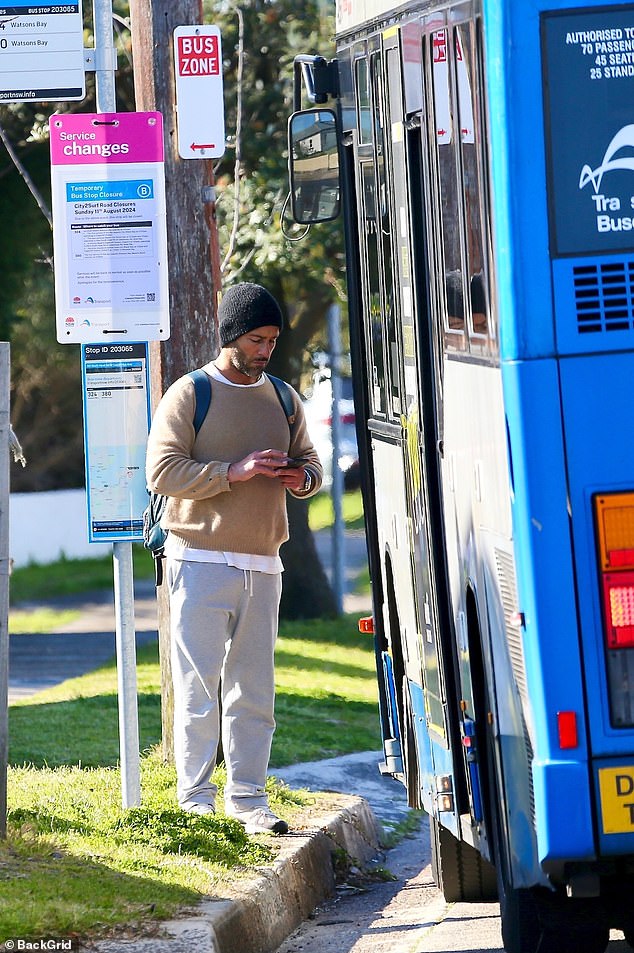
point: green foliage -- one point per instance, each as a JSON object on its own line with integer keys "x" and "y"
{"x": 321, "y": 513}
{"x": 305, "y": 276}
{"x": 219, "y": 839}
{"x": 25, "y": 238}
{"x": 46, "y": 409}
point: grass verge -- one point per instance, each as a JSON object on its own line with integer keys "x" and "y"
{"x": 42, "y": 620}
{"x": 71, "y": 576}
{"x": 75, "y": 862}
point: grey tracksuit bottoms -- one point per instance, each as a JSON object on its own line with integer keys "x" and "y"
{"x": 223, "y": 626}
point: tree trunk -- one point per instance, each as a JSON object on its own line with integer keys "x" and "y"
{"x": 306, "y": 593}
{"x": 192, "y": 245}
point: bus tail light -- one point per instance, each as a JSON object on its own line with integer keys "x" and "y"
{"x": 366, "y": 625}
{"x": 567, "y": 730}
{"x": 615, "y": 536}
{"x": 614, "y": 521}
{"x": 618, "y": 607}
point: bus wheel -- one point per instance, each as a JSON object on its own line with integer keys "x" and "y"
{"x": 521, "y": 932}
{"x": 538, "y": 921}
{"x": 459, "y": 871}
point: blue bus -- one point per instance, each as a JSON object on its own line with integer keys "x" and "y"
{"x": 481, "y": 155}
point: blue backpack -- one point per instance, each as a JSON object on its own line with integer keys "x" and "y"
{"x": 154, "y": 535}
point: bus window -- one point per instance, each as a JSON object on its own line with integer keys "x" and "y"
{"x": 471, "y": 178}
{"x": 372, "y": 288}
{"x": 364, "y": 114}
{"x": 382, "y": 128}
{"x": 402, "y": 255}
{"x": 448, "y": 176}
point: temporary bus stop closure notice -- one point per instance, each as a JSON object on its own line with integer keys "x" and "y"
{"x": 116, "y": 391}
{"x": 109, "y": 230}
{"x": 41, "y": 52}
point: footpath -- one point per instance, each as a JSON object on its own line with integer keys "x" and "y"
{"x": 256, "y": 913}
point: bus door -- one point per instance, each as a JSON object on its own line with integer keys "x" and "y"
{"x": 384, "y": 314}
{"x": 436, "y": 736}
{"x": 458, "y": 340}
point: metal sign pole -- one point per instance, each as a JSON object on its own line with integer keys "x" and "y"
{"x": 4, "y": 583}
{"x": 105, "y": 63}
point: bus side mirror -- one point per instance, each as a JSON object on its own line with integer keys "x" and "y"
{"x": 313, "y": 158}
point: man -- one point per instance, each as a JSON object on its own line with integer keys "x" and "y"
{"x": 226, "y": 516}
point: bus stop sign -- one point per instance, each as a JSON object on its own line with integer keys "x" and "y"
{"x": 199, "y": 95}
{"x": 41, "y": 52}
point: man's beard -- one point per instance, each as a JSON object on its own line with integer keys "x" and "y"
{"x": 247, "y": 367}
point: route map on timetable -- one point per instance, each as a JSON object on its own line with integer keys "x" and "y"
{"x": 116, "y": 427}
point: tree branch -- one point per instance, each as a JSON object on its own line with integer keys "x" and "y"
{"x": 46, "y": 212}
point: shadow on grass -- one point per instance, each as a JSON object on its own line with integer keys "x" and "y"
{"x": 55, "y": 892}
{"x": 302, "y": 663}
{"x": 80, "y": 731}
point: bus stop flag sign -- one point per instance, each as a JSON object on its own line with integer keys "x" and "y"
{"x": 199, "y": 95}
{"x": 109, "y": 231}
{"x": 41, "y": 52}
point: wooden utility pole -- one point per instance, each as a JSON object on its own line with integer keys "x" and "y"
{"x": 194, "y": 261}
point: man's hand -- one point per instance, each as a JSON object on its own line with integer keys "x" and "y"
{"x": 268, "y": 463}
{"x": 293, "y": 478}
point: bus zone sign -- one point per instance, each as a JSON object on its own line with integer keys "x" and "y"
{"x": 199, "y": 92}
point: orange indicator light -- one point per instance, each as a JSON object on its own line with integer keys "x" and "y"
{"x": 615, "y": 530}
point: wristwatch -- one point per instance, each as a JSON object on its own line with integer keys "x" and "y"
{"x": 308, "y": 482}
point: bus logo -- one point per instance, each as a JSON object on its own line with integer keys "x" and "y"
{"x": 623, "y": 139}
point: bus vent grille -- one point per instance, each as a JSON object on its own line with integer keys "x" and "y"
{"x": 604, "y": 296}
{"x": 508, "y": 592}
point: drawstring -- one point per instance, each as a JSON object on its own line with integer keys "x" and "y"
{"x": 248, "y": 575}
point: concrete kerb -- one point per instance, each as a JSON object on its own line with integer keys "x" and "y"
{"x": 256, "y": 914}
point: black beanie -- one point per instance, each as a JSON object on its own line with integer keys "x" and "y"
{"x": 243, "y": 308}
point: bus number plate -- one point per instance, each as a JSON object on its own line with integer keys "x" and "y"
{"x": 617, "y": 799}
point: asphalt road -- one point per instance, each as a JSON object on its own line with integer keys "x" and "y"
{"x": 38, "y": 661}
{"x": 406, "y": 914}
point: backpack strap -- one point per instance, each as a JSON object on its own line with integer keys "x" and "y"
{"x": 202, "y": 390}
{"x": 285, "y": 397}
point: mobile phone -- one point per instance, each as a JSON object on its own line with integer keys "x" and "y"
{"x": 295, "y": 462}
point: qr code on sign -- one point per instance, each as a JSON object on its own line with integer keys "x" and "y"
{"x": 150, "y": 296}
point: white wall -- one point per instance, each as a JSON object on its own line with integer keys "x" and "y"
{"x": 45, "y": 526}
